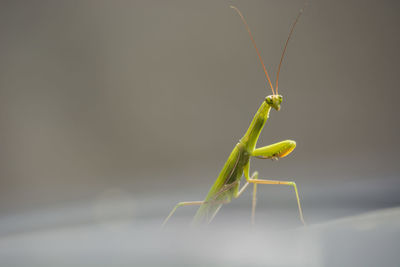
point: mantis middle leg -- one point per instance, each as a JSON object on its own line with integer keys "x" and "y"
{"x": 254, "y": 180}
{"x": 277, "y": 150}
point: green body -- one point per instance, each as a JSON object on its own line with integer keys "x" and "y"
{"x": 226, "y": 186}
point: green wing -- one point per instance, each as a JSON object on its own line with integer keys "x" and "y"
{"x": 225, "y": 186}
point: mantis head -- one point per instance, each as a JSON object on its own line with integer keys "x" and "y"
{"x": 274, "y": 101}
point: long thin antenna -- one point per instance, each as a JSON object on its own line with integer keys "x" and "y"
{"x": 287, "y": 41}
{"x": 255, "y": 46}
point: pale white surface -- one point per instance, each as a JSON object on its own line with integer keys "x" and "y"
{"x": 370, "y": 239}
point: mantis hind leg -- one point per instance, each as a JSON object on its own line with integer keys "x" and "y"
{"x": 254, "y": 180}
{"x": 180, "y": 204}
{"x": 254, "y": 200}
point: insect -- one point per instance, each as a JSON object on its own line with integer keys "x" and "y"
{"x": 226, "y": 187}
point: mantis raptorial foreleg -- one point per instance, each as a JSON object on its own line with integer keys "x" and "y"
{"x": 275, "y": 151}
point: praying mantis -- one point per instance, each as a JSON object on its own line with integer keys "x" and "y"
{"x": 226, "y": 186}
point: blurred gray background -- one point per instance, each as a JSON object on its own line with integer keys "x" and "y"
{"x": 120, "y": 109}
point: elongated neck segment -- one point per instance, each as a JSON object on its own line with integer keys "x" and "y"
{"x": 251, "y": 136}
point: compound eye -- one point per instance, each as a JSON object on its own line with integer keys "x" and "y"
{"x": 268, "y": 99}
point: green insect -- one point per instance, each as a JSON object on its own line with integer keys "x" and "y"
{"x": 226, "y": 187}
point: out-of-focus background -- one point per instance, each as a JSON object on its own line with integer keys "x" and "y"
{"x": 113, "y": 111}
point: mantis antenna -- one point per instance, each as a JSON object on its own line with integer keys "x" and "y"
{"x": 255, "y": 46}
{"x": 284, "y": 49}
{"x": 287, "y": 41}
